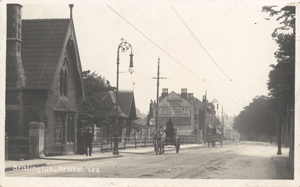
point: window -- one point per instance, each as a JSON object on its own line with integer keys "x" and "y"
{"x": 64, "y": 80}
{"x": 65, "y": 88}
{"x": 59, "y": 128}
{"x": 61, "y": 81}
{"x": 70, "y": 134}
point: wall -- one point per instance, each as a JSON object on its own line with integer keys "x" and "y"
{"x": 52, "y": 116}
{"x": 15, "y": 75}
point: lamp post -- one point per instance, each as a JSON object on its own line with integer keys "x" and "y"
{"x": 124, "y": 46}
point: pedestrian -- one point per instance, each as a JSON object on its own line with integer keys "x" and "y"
{"x": 271, "y": 140}
{"x": 80, "y": 142}
{"x": 88, "y": 139}
{"x": 161, "y": 133}
{"x": 122, "y": 125}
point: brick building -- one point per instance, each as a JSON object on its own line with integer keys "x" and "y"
{"x": 43, "y": 79}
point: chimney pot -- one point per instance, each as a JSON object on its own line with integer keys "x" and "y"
{"x": 71, "y": 7}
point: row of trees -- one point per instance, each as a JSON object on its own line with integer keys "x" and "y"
{"x": 263, "y": 112}
{"x": 257, "y": 118}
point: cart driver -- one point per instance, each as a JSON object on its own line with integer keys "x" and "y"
{"x": 214, "y": 130}
{"x": 169, "y": 129}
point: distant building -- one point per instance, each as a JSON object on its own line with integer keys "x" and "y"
{"x": 186, "y": 112}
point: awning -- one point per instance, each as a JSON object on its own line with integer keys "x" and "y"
{"x": 64, "y": 105}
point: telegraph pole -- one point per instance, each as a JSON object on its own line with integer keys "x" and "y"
{"x": 157, "y": 93}
{"x": 222, "y": 122}
{"x": 205, "y": 128}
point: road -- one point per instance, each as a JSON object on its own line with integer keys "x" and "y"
{"x": 235, "y": 160}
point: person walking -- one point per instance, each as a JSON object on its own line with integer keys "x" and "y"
{"x": 88, "y": 139}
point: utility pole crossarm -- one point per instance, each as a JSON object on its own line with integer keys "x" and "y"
{"x": 159, "y": 78}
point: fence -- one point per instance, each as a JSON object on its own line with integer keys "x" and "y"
{"x": 107, "y": 143}
{"x": 19, "y": 147}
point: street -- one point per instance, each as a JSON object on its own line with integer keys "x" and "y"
{"x": 235, "y": 160}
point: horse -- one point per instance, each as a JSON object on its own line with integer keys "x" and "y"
{"x": 159, "y": 142}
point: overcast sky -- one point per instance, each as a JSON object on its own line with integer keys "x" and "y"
{"x": 235, "y": 34}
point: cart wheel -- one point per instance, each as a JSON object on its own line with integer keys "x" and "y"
{"x": 177, "y": 146}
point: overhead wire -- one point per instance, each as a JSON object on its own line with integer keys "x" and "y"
{"x": 207, "y": 52}
{"x": 165, "y": 51}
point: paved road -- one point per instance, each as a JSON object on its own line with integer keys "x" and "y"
{"x": 235, "y": 160}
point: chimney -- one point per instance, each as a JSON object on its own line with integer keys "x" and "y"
{"x": 191, "y": 98}
{"x": 71, "y": 12}
{"x": 164, "y": 93}
{"x": 184, "y": 93}
{"x": 15, "y": 74}
{"x": 204, "y": 100}
{"x": 151, "y": 108}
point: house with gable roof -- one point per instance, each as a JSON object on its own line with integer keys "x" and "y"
{"x": 44, "y": 80}
{"x": 176, "y": 107}
{"x": 126, "y": 111}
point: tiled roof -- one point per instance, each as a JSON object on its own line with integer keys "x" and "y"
{"x": 65, "y": 105}
{"x": 42, "y": 44}
{"x": 125, "y": 102}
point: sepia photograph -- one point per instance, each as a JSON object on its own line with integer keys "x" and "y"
{"x": 149, "y": 93}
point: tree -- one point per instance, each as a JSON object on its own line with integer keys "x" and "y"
{"x": 282, "y": 78}
{"x": 281, "y": 82}
{"x": 93, "y": 109}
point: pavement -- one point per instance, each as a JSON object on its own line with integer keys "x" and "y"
{"x": 96, "y": 155}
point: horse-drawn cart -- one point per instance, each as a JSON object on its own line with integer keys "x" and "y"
{"x": 213, "y": 138}
{"x": 168, "y": 141}
{"x": 173, "y": 140}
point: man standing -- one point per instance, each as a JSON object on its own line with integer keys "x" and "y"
{"x": 88, "y": 139}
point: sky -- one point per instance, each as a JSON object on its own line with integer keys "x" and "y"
{"x": 222, "y": 47}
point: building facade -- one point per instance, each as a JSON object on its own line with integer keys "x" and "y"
{"x": 177, "y": 108}
{"x": 43, "y": 79}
